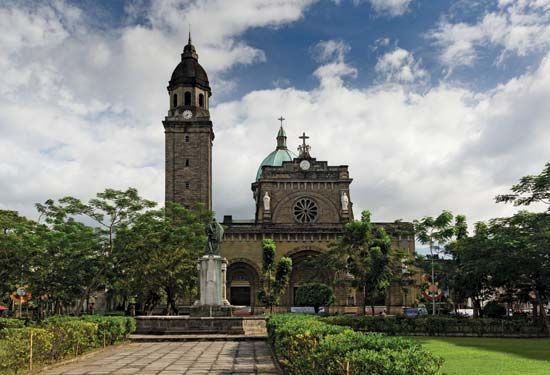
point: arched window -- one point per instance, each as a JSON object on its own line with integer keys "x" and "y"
{"x": 186, "y": 139}
{"x": 175, "y": 100}
{"x": 187, "y": 98}
{"x": 201, "y": 100}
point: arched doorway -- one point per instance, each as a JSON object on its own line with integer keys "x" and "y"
{"x": 242, "y": 283}
{"x": 304, "y": 269}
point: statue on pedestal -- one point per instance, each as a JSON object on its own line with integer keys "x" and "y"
{"x": 267, "y": 201}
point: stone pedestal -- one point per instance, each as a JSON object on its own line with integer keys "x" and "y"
{"x": 212, "y": 277}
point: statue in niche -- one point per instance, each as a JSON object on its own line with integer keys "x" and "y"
{"x": 345, "y": 201}
{"x": 267, "y": 201}
{"x": 214, "y": 231}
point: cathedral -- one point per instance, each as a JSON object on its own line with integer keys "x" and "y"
{"x": 300, "y": 202}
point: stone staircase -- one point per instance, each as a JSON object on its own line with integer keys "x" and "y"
{"x": 187, "y": 328}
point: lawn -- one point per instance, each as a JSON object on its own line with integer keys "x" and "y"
{"x": 484, "y": 356}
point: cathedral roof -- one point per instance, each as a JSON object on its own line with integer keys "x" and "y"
{"x": 277, "y": 157}
{"x": 189, "y": 72}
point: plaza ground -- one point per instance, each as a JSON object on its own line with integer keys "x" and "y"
{"x": 171, "y": 358}
{"x": 490, "y": 356}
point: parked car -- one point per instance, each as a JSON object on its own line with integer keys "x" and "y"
{"x": 378, "y": 310}
{"x": 413, "y": 312}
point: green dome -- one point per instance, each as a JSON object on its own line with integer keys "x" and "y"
{"x": 276, "y": 159}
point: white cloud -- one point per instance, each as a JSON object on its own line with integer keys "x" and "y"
{"x": 81, "y": 107}
{"x": 400, "y": 65}
{"x": 410, "y": 154}
{"x": 330, "y": 50}
{"x": 517, "y": 27}
{"x": 332, "y": 53}
{"x": 388, "y": 7}
{"x": 80, "y": 110}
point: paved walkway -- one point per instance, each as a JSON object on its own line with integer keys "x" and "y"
{"x": 171, "y": 358}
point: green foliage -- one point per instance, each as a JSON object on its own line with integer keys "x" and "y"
{"x": 15, "y": 347}
{"x": 62, "y": 259}
{"x": 59, "y": 337}
{"x": 530, "y": 189}
{"x": 494, "y": 310}
{"x": 275, "y": 276}
{"x": 268, "y": 255}
{"x": 282, "y": 275}
{"x": 11, "y": 323}
{"x": 307, "y": 345}
{"x": 365, "y": 251}
{"x": 436, "y": 325}
{"x": 314, "y": 294}
{"x": 159, "y": 252}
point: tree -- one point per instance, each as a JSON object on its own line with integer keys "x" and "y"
{"x": 530, "y": 189}
{"x": 470, "y": 274}
{"x": 368, "y": 255}
{"x": 435, "y": 232}
{"x": 111, "y": 210}
{"x": 164, "y": 246}
{"x": 56, "y": 260}
{"x": 522, "y": 255}
{"x": 531, "y": 234}
{"x": 314, "y": 294}
{"x": 275, "y": 276}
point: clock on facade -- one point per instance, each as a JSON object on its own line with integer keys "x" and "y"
{"x": 304, "y": 164}
{"x": 187, "y": 114}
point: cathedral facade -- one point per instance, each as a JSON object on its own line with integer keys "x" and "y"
{"x": 300, "y": 202}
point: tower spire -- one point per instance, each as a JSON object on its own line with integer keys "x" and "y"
{"x": 189, "y": 40}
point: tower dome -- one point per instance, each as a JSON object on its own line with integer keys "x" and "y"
{"x": 277, "y": 157}
{"x": 189, "y": 72}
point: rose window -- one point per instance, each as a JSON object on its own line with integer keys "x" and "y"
{"x": 305, "y": 211}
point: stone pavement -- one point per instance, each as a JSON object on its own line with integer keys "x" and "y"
{"x": 171, "y": 358}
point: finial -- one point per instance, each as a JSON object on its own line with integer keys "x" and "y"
{"x": 281, "y": 119}
{"x": 189, "y": 41}
{"x": 304, "y": 148}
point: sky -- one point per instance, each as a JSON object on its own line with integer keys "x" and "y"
{"x": 433, "y": 104}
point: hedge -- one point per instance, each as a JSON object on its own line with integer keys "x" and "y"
{"x": 11, "y": 323}
{"x": 57, "y": 338}
{"x": 438, "y": 326}
{"x": 305, "y": 344}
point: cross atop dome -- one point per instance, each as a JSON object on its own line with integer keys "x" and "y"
{"x": 281, "y": 136}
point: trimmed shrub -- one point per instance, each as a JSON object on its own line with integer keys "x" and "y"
{"x": 494, "y": 310}
{"x": 306, "y": 345}
{"x": 112, "y": 329}
{"x": 435, "y": 325}
{"x": 15, "y": 347}
{"x": 59, "y": 337}
{"x": 71, "y": 337}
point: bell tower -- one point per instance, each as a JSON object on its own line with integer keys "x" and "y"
{"x": 189, "y": 134}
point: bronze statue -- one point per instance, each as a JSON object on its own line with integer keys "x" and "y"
{"x": 214, "y": 231}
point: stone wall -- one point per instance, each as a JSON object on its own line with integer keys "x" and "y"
{"x": 242, "y": 246}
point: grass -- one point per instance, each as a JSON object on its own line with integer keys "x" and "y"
{"x": 489, "y": 356}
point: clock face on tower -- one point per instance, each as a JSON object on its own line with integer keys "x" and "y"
{"x": 304, "y": 164}
{"x": 187, "y": 114}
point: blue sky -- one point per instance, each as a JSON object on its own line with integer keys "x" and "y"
{"x": 433, "y": 104}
